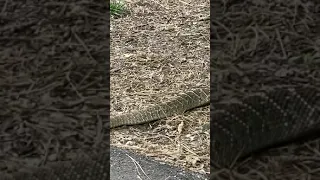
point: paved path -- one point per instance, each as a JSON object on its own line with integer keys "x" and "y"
{"x": 122, "y": 167}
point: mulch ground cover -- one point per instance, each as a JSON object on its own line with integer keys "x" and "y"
{"x": 54, "y": 81}
{"x": 263, "y": 44}
{"x": 158, "y": 50}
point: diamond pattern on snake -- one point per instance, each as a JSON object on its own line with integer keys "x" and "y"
{"x": 184, "y": 102}
{"x": 261, "y": 120}
{"x": 241, "y": 127}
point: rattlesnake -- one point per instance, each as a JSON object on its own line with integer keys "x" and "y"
{"x": 184, "y": 102}
{"x": 246, "y": 124}
{"x": 261, "y": 120}
{"x": 238, "y": 126}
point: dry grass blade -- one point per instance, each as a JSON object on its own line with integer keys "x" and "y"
{"x": 159, "y": 50}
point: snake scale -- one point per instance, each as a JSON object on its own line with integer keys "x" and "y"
{"x": 238, "y": 127}
{"x": 243, "y": 125}
{"x": 184, "y": 102}
{"x": 261, "y": 120}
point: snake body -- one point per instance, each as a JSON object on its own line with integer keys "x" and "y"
{"x": 246, "y": 124}
{"x": 238, "y": 127}
{"x": 261, "y": 120}
{"x": 186, "y": 101}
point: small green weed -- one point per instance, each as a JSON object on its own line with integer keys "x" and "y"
{"x": 117, "y": 8}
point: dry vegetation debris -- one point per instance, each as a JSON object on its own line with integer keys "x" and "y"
{"x": 160, "y": 49}
{"x": 267, "y": 43}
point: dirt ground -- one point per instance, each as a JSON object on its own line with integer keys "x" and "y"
{"x": 159, "y": 49}
{"x": 259, "y": 44}
{"x": 54, "y": 81}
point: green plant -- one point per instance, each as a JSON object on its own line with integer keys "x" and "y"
{"x": 117, "y": 8}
